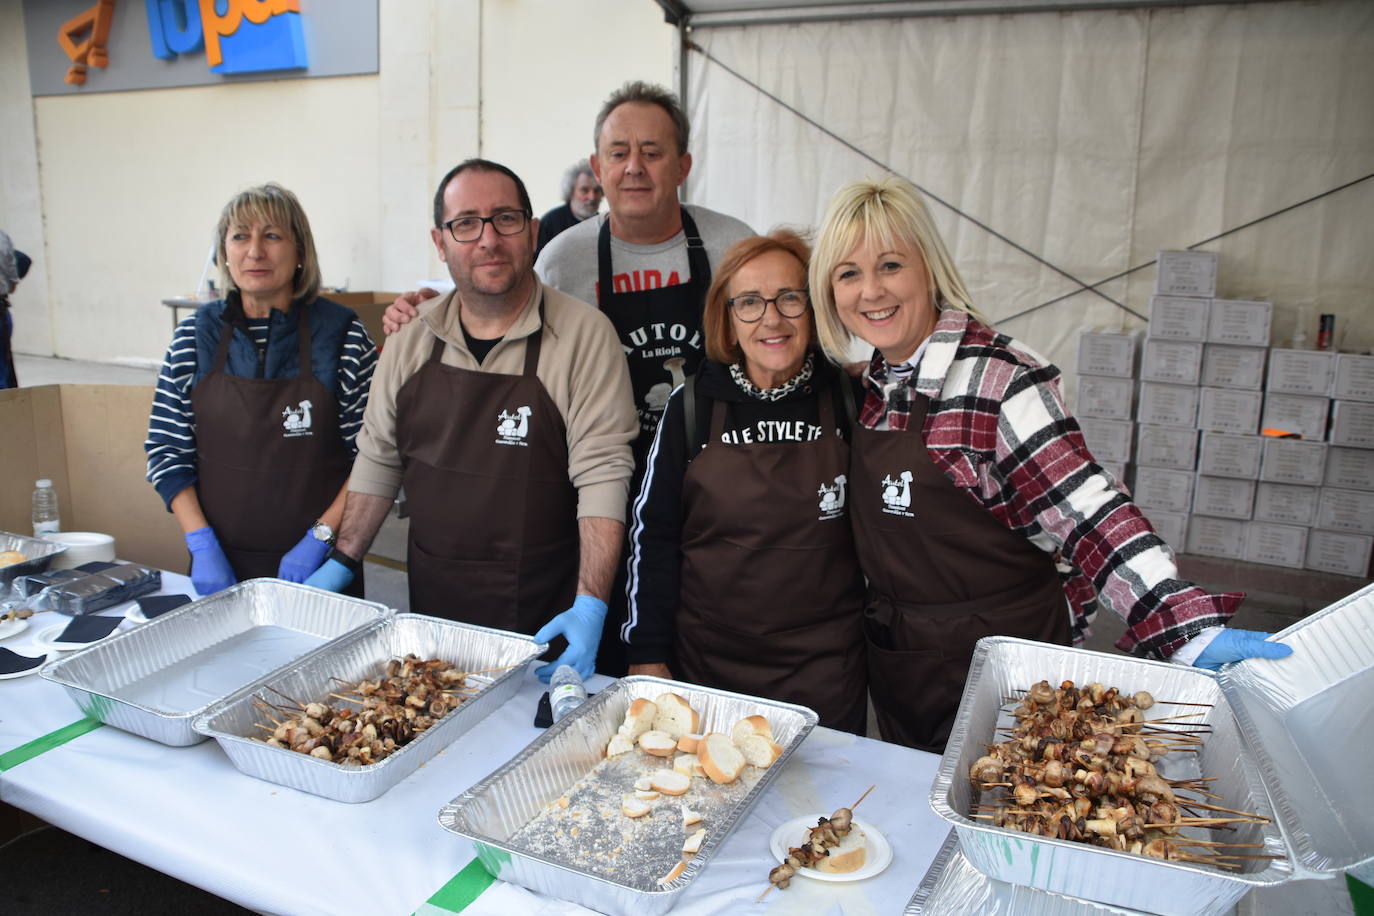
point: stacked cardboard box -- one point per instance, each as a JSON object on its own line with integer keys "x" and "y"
{"x": 1246, "y": 452}
{"x": 1106, "y": 396}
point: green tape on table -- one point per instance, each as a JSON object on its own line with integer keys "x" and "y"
{"x": 462, "y": 888}
{"x": 1361, "y": 896}
{"x": 23, "y": 752}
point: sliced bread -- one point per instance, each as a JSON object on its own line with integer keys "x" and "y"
{"x": 692, "y": 845}
{"x": 687, "y": 764}
{"x": 634, "y": 807}
{"x": 759, "y": 751}
{"x": 751, "y": 725}
{"x": 619, "y": 745}
{"x": 688, "y": 743}
{"x": 720, "y": 760}
{"x": 639, "y": 718}
{"x": 657, "y": 743}
{"x": 671, "y": 782}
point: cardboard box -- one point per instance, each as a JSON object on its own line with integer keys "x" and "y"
{"x": 1224, "y": 497}
{"x": 1101, "y": 353}
{"x": 1168, "y": 405}
{"x": 1299, "y": 413}
{"x": 1175, "y": 362}
{"x": 1293, "y": 461}
{"x": 1352, "y": 424}
{"x": 1277, "y": 545}
{"x": 1172, "y": 527}
{"x": 1339, "y": 552}
{"x": 1239, "y": 321}
{"x": 1105, "y": 397}
{"x": 1351, "y": 468}
{"x": 369, "y": 305}
{"x": 1163, "y": 489}
{"x": 1346, "y": 510}
{"x": 1108, "y": 440}
{"x": 1301, "y": 372}
{"x": 1354, "y": 377}
{"x": 1166, "y": 447}
{"x": 89, "y": 440}
{"x": 1216, "y": 537}
{"x": 1221, "y": 455}
{"x": 1186, "y": 273}
{"x": 1286, "y": 503}
{"x": 1178, "y": 318}
{"x": 1230, "y": 410}
{"x": 1225, "y": 366}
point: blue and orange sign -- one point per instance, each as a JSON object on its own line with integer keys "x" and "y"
{"x": 239, "y": 36}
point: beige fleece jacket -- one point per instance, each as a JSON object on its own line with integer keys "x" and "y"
{"x": 580, "y": 364}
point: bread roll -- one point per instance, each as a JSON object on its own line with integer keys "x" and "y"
{"x": 759, "y": 751}
{"x": 751, "y": 725}
{"x": 639, "y": 718}
{"x": 671, "y": 782}
{"x": 720, "y": 760}
{"x": 619, "y": 745}
{"x": 676, "y": 716}
{"x": 657, "y": 743}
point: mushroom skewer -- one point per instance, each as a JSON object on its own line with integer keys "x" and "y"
{"x": 820, "y": 839}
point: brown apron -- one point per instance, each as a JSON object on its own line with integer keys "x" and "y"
{"x": 943, "y": 572}
{"x": 493, "y": 524}
{"x": 772, "y": 599}
{"x": 270, "y": 458}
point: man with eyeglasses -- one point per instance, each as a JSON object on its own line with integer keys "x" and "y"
{"x": 505, "y": 410}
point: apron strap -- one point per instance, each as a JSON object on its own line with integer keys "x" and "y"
{"x": 689, "y": 414}
{"x": 532, "y": 343}
{"x": 303, "y": 338}
{"x": 604, "y": 277}
{"x": 717, "y": 420}
{"x": 231, "y": 317}
{"x": 697, "y": 261}
{"x": 827, "y": 417}
{"x": 436, "y": 352}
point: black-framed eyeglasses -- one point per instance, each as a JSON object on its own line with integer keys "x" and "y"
{"x": 469, "y": 228}
{"x": 790, "y": 303}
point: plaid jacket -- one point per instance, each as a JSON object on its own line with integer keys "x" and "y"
{"x": 998, "y": 429}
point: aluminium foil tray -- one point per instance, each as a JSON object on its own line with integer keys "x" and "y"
{"x": 492, "y": 812}
{"x": 363, "y": 655}
{"x": 1309, "y": 720}
{"x": 156, "y": 678}
{"x": 1003, "y": 665}
{"x": 40, "y": 555}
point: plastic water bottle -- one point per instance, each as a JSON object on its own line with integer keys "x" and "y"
{"x": 566, "y": 691}
{"x": 45, "y": 517}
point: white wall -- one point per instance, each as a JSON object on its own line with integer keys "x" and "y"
{"x": 118, "y": 209}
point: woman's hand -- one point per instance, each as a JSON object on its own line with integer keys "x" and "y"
{"x": 658, "y": 669}
{"x": 210, "y": 569}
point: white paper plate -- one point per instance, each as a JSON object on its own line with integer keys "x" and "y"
{"x": 12, "y": 626}
{"x": 793, "y": 833}
{"x": 46, "y": 639}
{"x": 34, "y": 670}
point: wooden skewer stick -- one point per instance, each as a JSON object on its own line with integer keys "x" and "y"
{"x": 1205, "y": 860}
{"x": 260, "y": 725}
{"x": 1182, "y": 703}
{"x": 299, "y": 705}
{"x": 339, "y": 696}
{"x": 1183, "y": 842}
{"x": 862, "y": 797}
{"x": 1227, "y": 810}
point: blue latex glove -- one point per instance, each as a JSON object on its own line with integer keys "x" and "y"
{"x": 210, "y": 569}
{"x": 333, "y": 576}
{"x": 300, "y": 561}
{"x": 1235, "y": 645}
{"x": 581, "y": 626}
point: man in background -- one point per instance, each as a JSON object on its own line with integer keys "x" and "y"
{"x": 581, "y": 199}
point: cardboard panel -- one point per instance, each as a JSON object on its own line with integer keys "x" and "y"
{"x": 89, "y": 440}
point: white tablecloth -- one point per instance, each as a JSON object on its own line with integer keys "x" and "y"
{"x": 189, "y": 813}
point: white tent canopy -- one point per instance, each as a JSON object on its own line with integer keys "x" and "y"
{"x": 1067, "y": 147}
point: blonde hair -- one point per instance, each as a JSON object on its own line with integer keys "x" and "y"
{"x": 721, "y": 343}
{"x": 271, "y": 204}
{"x": 891, "y": 213}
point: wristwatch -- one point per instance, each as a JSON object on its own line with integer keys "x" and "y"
{"x": 323, "y": 532}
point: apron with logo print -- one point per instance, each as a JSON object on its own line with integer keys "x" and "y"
{"x": 943, "y": 572}
{"x": 270, "y": 458}
{"x": 493, "y": 525}
{"x": 660, "y": 332}
{"x": 772, "y": 598}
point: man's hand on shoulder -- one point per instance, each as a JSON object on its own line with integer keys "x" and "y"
{"x": 405, "y": 308}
